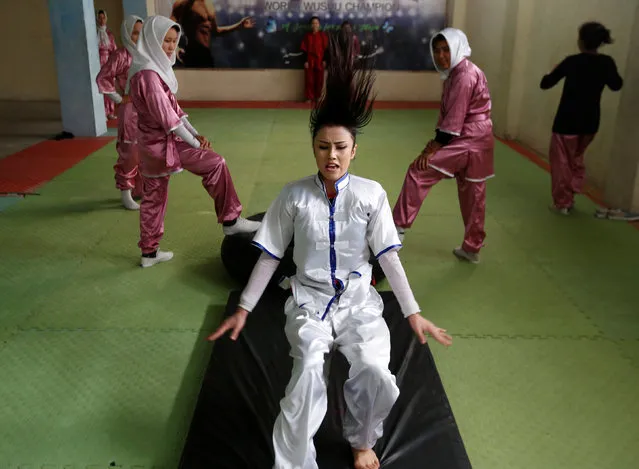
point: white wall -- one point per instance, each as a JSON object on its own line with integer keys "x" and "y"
{"x": 486, "y": 27}
{"x": 28, "y": 53}
{"x": 622, "y": 183}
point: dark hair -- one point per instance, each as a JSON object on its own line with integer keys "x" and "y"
{"x": 347, "y": 100}
{"x": 346, "y": 23}
{"x": 592, "y": 35}
{"x": 101, "y": 12}
{"x": 438, "y": 38}
{"x": 314, "y": 18}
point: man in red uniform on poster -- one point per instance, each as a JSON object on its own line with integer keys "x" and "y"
{"x": 314, "y": 45}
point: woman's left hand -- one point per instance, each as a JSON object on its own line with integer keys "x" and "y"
{"x": 423, "y": 327}
{"x": 432, "y": 146}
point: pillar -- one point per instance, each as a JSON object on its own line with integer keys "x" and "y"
{"x": 77, "y": 60}
{"x": 135, "y": 7}
{"x": 622, "y": 184}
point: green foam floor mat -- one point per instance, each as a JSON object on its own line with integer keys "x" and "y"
{"x": 101, "y": 361}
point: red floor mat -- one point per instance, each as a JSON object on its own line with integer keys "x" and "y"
{"x": 33, "y": 166}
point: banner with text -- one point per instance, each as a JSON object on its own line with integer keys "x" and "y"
{"x": 268, "y": 34}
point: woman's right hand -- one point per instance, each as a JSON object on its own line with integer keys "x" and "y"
{"x": 423, "y": 328}
{"x": 422, "y": 160}
{"x": 235, "y": 323}
{"x": 305, "y": 64}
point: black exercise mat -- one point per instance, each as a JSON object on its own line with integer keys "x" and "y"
{"x": 245, "y": 380}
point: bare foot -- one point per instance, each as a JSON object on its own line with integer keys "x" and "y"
{"x": 365, "y": 459}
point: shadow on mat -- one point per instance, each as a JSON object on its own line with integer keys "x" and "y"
{"x": 205, "y": 274}
{"x": 177, "y": 424}
{"x": 66, "y": 208}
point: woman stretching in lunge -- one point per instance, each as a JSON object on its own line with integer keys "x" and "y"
{"x": 335, "y": 219}
{"x": 168, "y": 142}
{"x": 462, "y": 148}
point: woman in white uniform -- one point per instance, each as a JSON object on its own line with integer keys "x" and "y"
{"x": 335, "y": 217}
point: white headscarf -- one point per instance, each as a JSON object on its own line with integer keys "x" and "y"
{"x": 103, "y": 37}
{"x": 126, "y": 31}
{"x": 148, "y": 54}
{"x": 458, "y": 45}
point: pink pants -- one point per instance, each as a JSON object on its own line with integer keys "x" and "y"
{"x": 472, "y": 201}
{"x": 216, "y": 179}
{"x": 126, "y": 168}
{"x": 567, "y": 167}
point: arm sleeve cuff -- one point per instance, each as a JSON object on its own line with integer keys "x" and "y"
{"x": 443, "y": 137}
{"x": 185, "y": 135}
{"x": 261, "y": 275}
{"x": 115, "y": 97}
{"x": 392, "y": 267}
{"x": 189, "y": 127}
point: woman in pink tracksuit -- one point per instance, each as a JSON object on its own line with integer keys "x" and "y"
{"x": 106, "y": 45}
{"x": 116, "y": 70}
{"x": 577, "y": 119}
{"x": 168, "y": 142}
{"x": 463, "y": 146}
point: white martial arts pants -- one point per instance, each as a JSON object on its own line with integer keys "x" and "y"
{"x": 362, "y": 336}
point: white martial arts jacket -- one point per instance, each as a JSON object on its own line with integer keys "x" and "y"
{"x": 331, "y": 239}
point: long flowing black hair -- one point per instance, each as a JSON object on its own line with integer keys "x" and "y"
{"x": 348, "y": 98}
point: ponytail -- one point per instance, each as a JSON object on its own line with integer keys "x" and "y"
{"x": 593, "y": 35}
